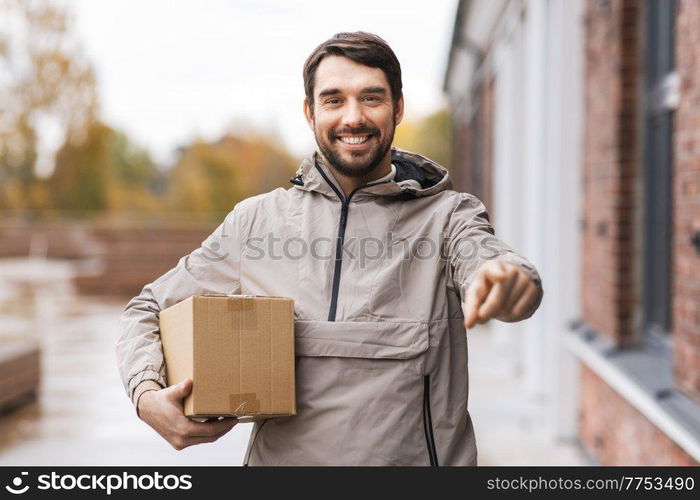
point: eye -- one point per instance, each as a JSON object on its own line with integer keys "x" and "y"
{"x": 332, "y": 101}
{"x": 371, "y": 98}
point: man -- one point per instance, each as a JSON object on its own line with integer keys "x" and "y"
{"x": 386, "y": 265}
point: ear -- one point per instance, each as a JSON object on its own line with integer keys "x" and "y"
{"x": 398, "y": 113}
{"x": 309, "y": 113}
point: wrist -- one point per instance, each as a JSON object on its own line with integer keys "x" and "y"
{"x": 141, "y": 389}
{"x": 142, "y": 401}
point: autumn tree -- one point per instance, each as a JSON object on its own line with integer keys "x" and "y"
{"x": 211, "y": 177}
{"x": 105, "y": 171}
{"x": 47, "y": 84}
{"x": 429, "y": 136}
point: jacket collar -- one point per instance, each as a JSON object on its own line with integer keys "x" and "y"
{"x": 416, "y": 176}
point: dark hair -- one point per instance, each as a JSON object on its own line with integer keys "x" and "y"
{"x": 362, "y": 47}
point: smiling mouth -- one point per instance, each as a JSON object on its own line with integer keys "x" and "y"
{"x": 354, "y": 139}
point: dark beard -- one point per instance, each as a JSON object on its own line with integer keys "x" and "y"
{"x": 353, "y": 169}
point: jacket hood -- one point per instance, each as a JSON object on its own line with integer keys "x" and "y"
{"x": 416, "y": 176}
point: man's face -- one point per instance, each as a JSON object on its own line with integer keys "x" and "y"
{"x": 353, "y": 116}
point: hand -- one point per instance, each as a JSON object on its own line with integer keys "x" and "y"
{"x": 500, "y": 290}
{"x": 163, "y": 410}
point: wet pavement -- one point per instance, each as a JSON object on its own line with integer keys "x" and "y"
{"x": 83, "y": 417}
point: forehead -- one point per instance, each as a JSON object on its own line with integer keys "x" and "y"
{"x": 347, "y": 75}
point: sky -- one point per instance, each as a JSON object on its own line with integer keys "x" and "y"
{"x": 170, "y": 71}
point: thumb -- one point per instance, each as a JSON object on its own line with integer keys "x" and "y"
{"x": 475, "y": 295}
{"x": 179, "y": 391}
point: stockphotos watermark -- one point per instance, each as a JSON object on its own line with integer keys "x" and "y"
{"x": 364, "y": 250}
{"x": 106, "y": 483}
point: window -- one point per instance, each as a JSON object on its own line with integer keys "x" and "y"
{"x": 661, "y": 91}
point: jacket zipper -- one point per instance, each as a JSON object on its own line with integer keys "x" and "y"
{"x": 340, "y": 240}
{"x": 428, "y": 423}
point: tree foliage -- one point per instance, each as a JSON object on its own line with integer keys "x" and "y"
{"x": 104, "y": 172}
{"x": 430, "y": 136}
{"x": 46, "y": 83}
{"x": 212, "y": 177}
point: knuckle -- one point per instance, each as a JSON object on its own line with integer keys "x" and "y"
{"x": 520, "y": 309}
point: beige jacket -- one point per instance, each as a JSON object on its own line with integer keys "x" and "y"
{"x": 377, "y": 282}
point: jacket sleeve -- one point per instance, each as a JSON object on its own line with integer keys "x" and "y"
{"x": 471, "y": 242}
{"x": 212, "y": 268}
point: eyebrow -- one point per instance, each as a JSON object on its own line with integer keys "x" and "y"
{"x": 374, "y": 90}
{"x": 366, "y": 90}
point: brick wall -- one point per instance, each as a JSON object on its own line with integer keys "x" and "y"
{"x": 132, "y": 257}
{"x": 129, "y": 255}
{"x": 632, "y": 440}
{"x": 462, "y": 145}
{"x": 610, "y": 166}
{"x": 686, "y": 193}
{"x": 487, "y": 117}
{"x": 474, "y": 148}
{"x": 54, "y": 240}
{"x": 612, "y": 430}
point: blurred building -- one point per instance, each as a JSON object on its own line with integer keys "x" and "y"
{"x": 577, "y": 122}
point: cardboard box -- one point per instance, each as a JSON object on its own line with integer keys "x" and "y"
{"x": 237, "y": 349}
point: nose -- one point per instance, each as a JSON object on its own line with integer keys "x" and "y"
{"x": 353, "y": 116}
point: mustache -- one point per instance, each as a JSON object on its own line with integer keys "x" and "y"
{"x": 355, "y": 131}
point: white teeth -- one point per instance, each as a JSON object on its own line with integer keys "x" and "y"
{"x": 355, "y": 140}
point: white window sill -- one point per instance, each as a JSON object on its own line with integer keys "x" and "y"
{"x": 643, "y": 377}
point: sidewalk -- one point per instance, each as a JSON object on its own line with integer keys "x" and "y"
{"x": 508, "y": 425}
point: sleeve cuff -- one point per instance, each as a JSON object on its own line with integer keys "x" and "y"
{"x": 529, "y": 269}
{"x": 147, "y": 374}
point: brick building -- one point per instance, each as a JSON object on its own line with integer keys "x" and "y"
{"x": 577, "y": 122}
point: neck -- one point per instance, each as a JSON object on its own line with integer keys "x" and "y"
{"x": 349, "y": 184}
